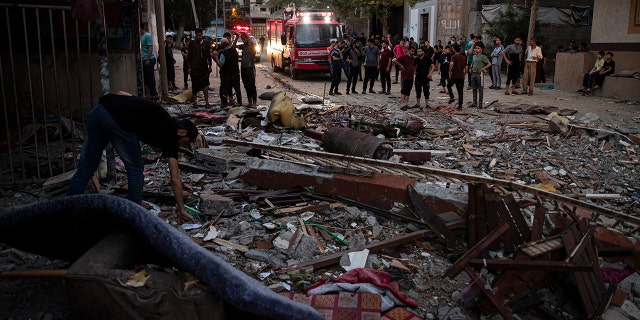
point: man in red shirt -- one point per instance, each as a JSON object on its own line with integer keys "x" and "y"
{"x": 457, "y": 71}
{"x": 407, "y": 70}
{"x": 384, "y": 66}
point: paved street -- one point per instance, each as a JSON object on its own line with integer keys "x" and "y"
{"x": 612, "y": 112}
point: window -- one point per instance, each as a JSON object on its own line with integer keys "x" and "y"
{"x": 316, "y": 35}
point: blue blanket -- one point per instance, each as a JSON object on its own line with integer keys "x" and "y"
{"x": 67, "y": 227}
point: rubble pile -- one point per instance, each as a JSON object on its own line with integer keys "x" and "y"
{"x": 271, "y": 213}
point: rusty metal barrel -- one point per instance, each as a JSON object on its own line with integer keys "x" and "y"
{"x": 353, "y": 143}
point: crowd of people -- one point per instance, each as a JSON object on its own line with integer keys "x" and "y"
{"x": 415, "y": 63}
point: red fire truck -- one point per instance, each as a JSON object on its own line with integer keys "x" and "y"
{"x": 300, "y": 40}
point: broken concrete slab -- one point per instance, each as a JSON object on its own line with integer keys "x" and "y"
{"x": 272, "y": 257}
{"x": 220, "y": 159}
{"x": 213, "y": 204}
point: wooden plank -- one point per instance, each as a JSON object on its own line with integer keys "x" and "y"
{"x": 471, "y": 215}
{"x": 516, "y": 215}
{"x": 541, "y": 248}
{"x": 569, "y": 241}
{"x": 475, "y": 251}
{"x": 515, "y": 235}
{"x": 508, "y": 264}
{"x": 432, "y": 220}
{"x": 502, "y": 309}
{"x": 538, "y": 222}
{"x": 481, "y": 218}
{"x": 231, "y": 245}
{"x": 310, "y": 266}
{"x": 301, "y": 209}
{"x": 491, "y": 200}
{"x": 318, "y": 243}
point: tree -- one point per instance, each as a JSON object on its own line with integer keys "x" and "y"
{"x": 513, "y": 24}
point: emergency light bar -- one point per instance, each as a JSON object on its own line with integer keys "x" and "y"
{"x": 241, "y": 28}
{"x": 314, "y": 14}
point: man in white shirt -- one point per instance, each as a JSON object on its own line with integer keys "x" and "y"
{"x": 533, "y": 54}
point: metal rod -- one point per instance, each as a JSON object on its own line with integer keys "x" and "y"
{"x": 15, "y": 101}
{"x": 66, "y": 58}
{"x": 6, "y": 120}
{"x": 44, "y": 102}
{"x": 33, "y": 111}
{"x": 34, "y": 274}
{"x": 80, "y": 102}
{"x": 57, "y": 86}
{"x": 18, "y": 5}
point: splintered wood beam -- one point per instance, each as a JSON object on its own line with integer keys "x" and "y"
{"x": 432, "y": 220}
{"x": 502, "y": 309}
{"x": 475, "y": 251}
{"x": 538, "y": 223}
{"x": 310, "y": 266}
{"x": 560, "y": 266}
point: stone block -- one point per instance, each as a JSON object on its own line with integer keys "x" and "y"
{"x": 213, "y": 204}
{"x": 220, "y": 159}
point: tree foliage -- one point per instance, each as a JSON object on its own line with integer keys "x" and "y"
{"x": 513, "y": 24}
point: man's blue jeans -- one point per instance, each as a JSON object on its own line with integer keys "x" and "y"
{"x": 102, "y": 129}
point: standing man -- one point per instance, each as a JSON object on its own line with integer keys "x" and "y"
{"x": 496, "y": 63}
{"x": 248, "y": 69}
{"x": 384, "y": 66}
{"x": 533, "y": 54}
{"x": 471, "y": 50}
{"x": 200, "y": 67}
{"x": 424, "y": 71}
{"x": 149, "y": 61}
{"x": 336, "y": 68}
{"x": 353, "y": 59}
{"x": 479, "y": 64}
{"x": 227, "y": 61}
{"x": 512, "y": 54}
{"x": 457, "y": 72}
{"x": 185, "y": 61}
{"x": 407, "y": 68}
{"x": 443, "y": 67}
{"x": 399, "y": 50}
{"x": 371, "y": 55}
{"x": 171, "y": 71}
{"x": 117, "y": 119}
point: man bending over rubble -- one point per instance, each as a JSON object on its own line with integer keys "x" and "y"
{"x": 125, "y": 120}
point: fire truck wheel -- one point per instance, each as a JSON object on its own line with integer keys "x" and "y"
{"x": 294, "y": 73}
{"x": 273, "y": 65}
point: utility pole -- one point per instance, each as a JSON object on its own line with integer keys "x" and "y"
{"x": 195, "y": 16}
{"x": 532, "y": 20}
{"x": 162, "y": 58}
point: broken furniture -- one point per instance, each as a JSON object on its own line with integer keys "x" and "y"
{"x": 496, "y": 222}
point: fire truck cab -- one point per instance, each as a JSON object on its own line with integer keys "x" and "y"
{"x": 300, "y": 40}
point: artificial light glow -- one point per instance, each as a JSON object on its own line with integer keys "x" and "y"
{"x": 327, "y": 19}
{"x": 306, "y": 19}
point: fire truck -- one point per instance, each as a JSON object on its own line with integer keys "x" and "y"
{"x": 300, "y": 40}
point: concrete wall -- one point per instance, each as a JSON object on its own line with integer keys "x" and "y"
{"x": 570, "y": 68}
{"x": 453, "y": 19}
{"x": 414, "y": 26}
{"x": 611, "y": 22}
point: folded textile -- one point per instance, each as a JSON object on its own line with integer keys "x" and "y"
{"x": 361, "y": 280}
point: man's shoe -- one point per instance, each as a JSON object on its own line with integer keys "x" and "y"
{"x": 372, "y": 91}
{"x": 364, "y": 91}
{"x": 337, "y": 93}
{"x": 491, "y": 87}
{"x": 330, "y": 93}
{"x": 395, "y": 82}
{"x": 354, "y": 92}
{"x": 382, "y": 92}
{"x": 451, "y": 100}
{"x": 388, "y": 92}
{"x": 507, "y": 93}
{"x": 347, "y": 92}
{"x": 459, "y": 108}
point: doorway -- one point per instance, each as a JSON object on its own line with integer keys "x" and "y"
{"x": 424, "y": 26}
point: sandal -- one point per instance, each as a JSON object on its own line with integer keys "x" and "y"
{"x": 405, "y": 107}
